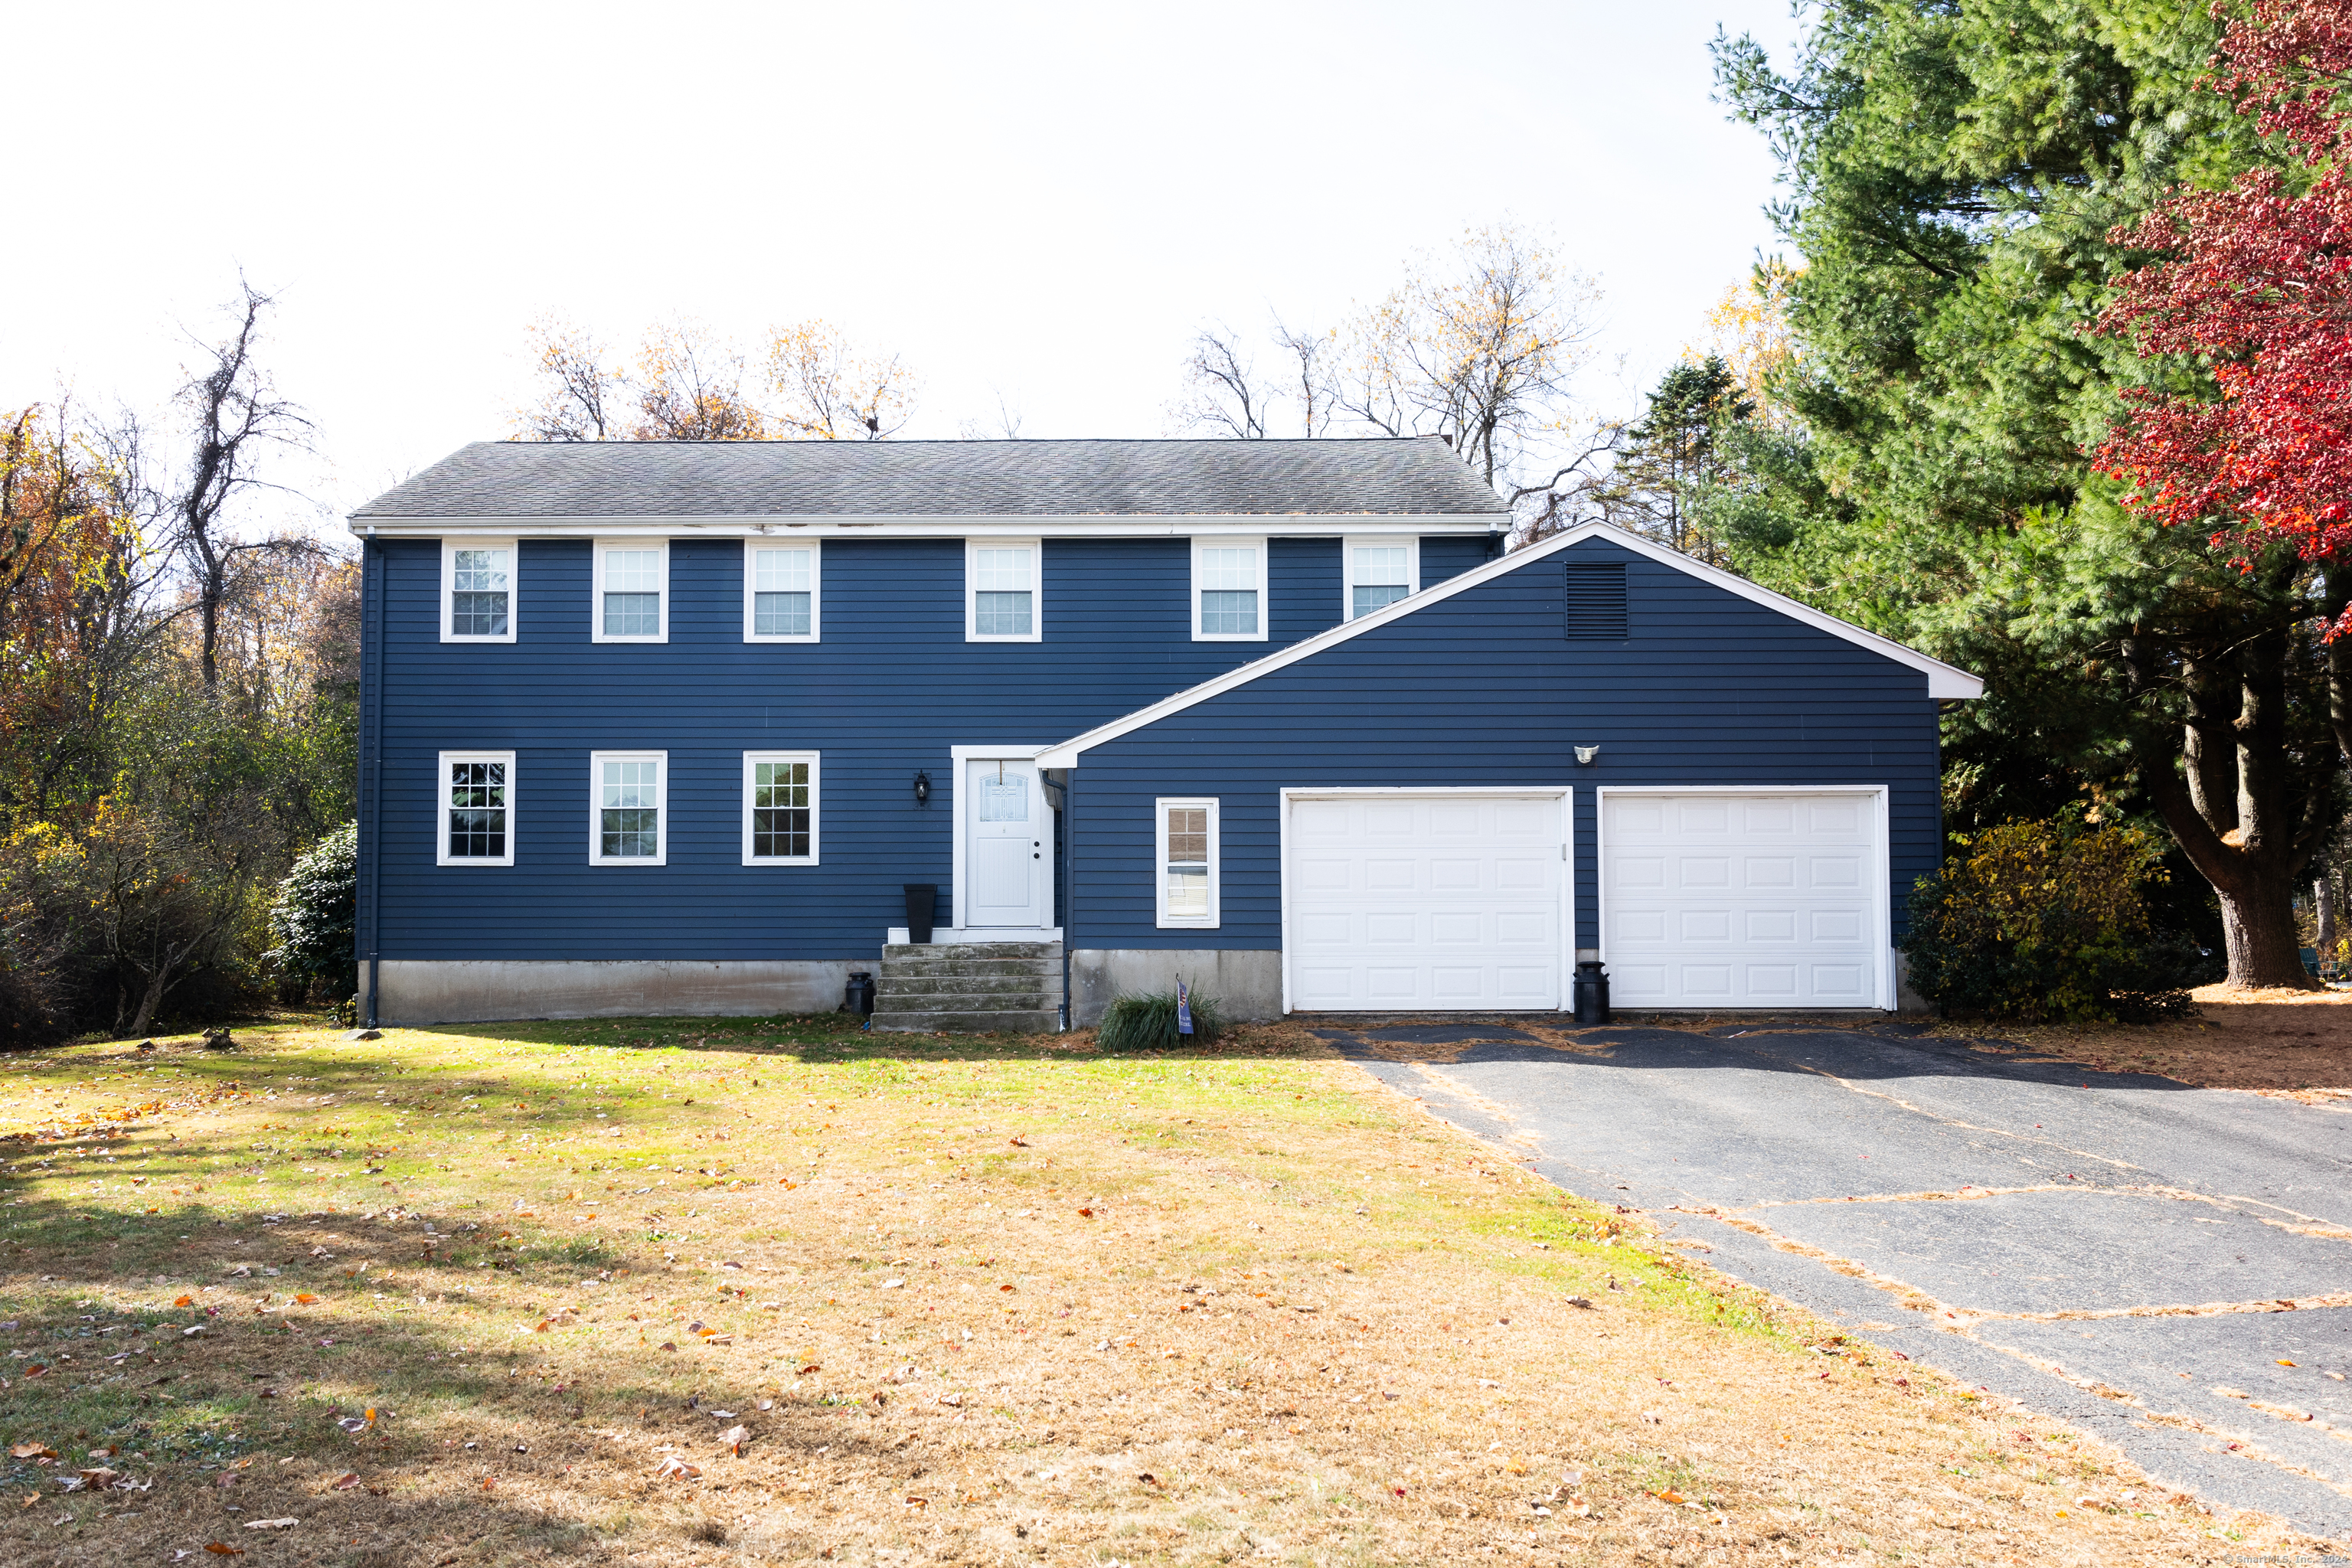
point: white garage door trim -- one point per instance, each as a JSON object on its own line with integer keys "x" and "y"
{"x": 1562, "y": 794}
{"x": 1882, "y": 954}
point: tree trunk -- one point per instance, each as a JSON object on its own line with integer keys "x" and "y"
{"x": 150, "y": 1001}
{"x": 2323, "y": 904}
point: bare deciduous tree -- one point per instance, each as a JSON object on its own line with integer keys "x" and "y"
{"x": 1312, "y": 354}
{"x": 1222, "y": 395}
{"x": 236, "y": 415}
{"x": 690, "y": 387}
{"x": 690, "y": 383}
{"x": 1479, "y": 349}
{"x": 580, "y": 396}
{"x": 820, "y": 387}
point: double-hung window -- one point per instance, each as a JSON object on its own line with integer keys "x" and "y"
{"x": 1185, "y": 846}
{"x": 780, "y": 591}
{"x": 478, "y": 590}
{"x": 779, "y": 808}
{"x": 1002, "y": 598}
{"x": 1380, "y": 572}
{"x": 628, "y": 808}
{"x": 1229, "y": 590}
{"x": 476, "y": 811}
{"x": 632, "y": 590}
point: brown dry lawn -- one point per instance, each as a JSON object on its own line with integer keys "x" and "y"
{"x": 2295, "y": 1045}
{"x": 496, "y": 1295}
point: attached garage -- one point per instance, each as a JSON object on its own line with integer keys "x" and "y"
{"x": 1591, "y": 747}
{"x": 1740, "y": 897}
{"x": 1451, "y": 899}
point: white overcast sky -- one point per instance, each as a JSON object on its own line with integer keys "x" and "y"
{"x": 1037, "y": 200}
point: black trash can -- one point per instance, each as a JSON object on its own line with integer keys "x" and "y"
{"x": 1590, "y": 993}
{"x": 860, "y": 997}
{"x": 922, "y": 899}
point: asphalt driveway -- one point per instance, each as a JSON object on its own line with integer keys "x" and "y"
{"x": 2042, "y": 1231}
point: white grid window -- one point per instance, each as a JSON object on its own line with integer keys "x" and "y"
{"x": 478, "y": 590}
{"x": 1185, "y": 868}
{"x": 1380, "y": 572}
{"x": 780, "y": 591}
{"x": 1002, "y": 599}
{"x": 628, "y": 808}
{"x": 779, "y": 808}
{"x": 476, "y": 809}
{"x": 632, "y": 591}
{"x": 1229, "y": 590}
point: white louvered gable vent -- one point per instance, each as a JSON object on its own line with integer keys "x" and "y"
{"x": 1594, "y": 602}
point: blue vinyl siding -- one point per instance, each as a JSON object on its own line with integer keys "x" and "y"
{"x": 1483, "y": 689}
{"x": 890, "y": 689}
{"x": 1451, "y": 554}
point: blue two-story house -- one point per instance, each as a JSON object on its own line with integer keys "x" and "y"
{"x": 672, "y": 728}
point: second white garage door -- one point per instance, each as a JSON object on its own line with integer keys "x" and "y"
{"x": 1769, "y": 898}
{"x": 1398, "y": 903}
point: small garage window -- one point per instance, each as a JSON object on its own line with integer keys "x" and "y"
{"x": 1185, "y": 852}
{"x": 1595, "y": 600}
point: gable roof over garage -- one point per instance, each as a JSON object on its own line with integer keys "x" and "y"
{"x": 1944, "y": 680}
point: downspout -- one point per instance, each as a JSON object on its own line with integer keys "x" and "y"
{"x": 1069, "y": 882}
{"x": 372, "y": 636}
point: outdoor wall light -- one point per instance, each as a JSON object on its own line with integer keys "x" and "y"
{"x": 923, "y": 788}
{"x": 1584, "y": 755}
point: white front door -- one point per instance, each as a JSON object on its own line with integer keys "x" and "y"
{"x": 1007, "y": 830}
{"x": 1402, "y": 902}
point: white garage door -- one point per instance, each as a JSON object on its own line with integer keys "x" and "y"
{"x": 1407, "y": 902}
{"x": 1722, "y": 900}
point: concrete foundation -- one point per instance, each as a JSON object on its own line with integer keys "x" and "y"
{"x": 1247, "y": 982}
{"x": 467, "y": 991}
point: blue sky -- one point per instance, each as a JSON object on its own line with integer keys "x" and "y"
{"x": 1041, "y": 202}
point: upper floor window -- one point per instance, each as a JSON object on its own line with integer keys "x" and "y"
{"x": 477, "y": 792}
{"x": 779, "y": 808}
{"x": 628, "y": 808}
{"x": 780, "y": 591}
{"x": 1380, "y": 572}
{"x": 1185, "y": 841}
{"x": 1003, "y": 602}
{"x": 478, "y": 590}
{"x": 632, "y": 590}
{"x": 1229, "y": 590}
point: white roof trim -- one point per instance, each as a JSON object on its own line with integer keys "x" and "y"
{"x": 830, "y": 525}
{"x": 1944, "y": 680}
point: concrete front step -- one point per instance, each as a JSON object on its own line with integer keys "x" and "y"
{"x": 1035, "y": 1021}
{"x": 892, "y": 951}
{"x": 893, "y": 983}
{"x": 967, "y": 1001}
{"x": 951, "y": 966}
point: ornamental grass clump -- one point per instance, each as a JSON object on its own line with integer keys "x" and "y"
{"x": 1148, "y": 1023}
{"x": 2047, "y": 921}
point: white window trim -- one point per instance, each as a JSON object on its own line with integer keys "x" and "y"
{"x": 449, "y": 548}
{"x": 1265, "y": 602}
{"x": 751, "y": 759}
{"x": 971, "y": 548}
{"x": 441, "y": 855}
{"x": 596, "y": 595}
{"x": 1375, "y": 542}
{"x": 596, "y": 761}
{"x": 757, "y": 543}
{"x": 1160, "y": 809}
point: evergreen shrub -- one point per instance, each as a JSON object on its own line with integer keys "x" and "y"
{"x": 315, "y": 921}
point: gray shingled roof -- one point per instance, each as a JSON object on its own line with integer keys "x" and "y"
{"x": 939, "y": 478}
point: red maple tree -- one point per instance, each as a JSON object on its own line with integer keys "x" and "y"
{"x": 2255, "y": 282}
